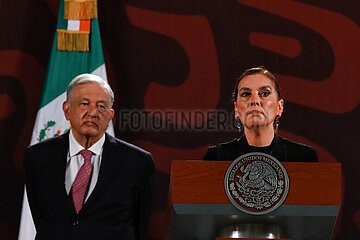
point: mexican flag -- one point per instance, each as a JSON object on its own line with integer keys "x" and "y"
{"x": 76, "y": 49}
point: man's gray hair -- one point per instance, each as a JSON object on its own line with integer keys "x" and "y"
{"x": 89, "y": 78}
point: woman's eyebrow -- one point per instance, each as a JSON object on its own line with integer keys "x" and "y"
{"x": 265, "y": 87}
{"x": 244, "y": 89}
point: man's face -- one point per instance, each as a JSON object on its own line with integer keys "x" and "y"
{"x": 88, "y": 110}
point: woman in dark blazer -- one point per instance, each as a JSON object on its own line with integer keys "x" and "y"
{"x": 258, "y": 107}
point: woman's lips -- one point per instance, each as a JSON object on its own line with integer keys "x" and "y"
{"x": 254, "y": 112}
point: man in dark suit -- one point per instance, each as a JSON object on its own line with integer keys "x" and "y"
{"x": 86, "y": 184}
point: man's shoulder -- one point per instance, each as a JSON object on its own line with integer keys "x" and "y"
{"x": 129, "y": 154}
{"x": 40, "y": 153}
{"x": 126, "y": 147}
{"x": 49, "y": 144}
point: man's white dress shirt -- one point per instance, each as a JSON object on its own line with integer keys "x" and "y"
{"x": 75, "y": 160}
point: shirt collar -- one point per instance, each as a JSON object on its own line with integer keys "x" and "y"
{"x": 75, "y": 147}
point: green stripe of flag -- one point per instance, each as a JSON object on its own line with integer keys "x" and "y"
{"x": 64, "y": 66}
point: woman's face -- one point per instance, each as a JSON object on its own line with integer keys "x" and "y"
{"x": 257, "y": 103}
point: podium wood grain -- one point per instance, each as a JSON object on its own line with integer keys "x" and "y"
{"x": 203, "y": 182}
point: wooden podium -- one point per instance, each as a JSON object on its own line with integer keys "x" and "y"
{"x": 201, "y": 206}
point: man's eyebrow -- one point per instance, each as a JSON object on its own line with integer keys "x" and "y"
{"x": 86, "y": 99}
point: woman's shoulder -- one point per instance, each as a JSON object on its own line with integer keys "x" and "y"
{"x": 222, "y": 151}
{"x": 299, "y": 151}
{"x": 228, "y": 144}
{"x": 293, "y": 144}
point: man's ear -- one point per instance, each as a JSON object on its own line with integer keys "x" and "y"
{"x": 112, "y": 112}
{"x": 66, "y": 109}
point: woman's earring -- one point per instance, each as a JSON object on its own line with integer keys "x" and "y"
{"x": 239, "y": 125}
{"x": 276, "y": 123}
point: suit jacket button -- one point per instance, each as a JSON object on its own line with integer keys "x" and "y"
{"x": 75, "y": 223}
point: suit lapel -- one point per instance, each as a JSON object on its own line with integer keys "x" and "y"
{"x": 58, "y": 157}
{"x": 278, "y": 149}
{"x": 242, "y": 146}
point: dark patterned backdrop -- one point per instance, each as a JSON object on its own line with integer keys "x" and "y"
{"x": 182, "y": 57}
